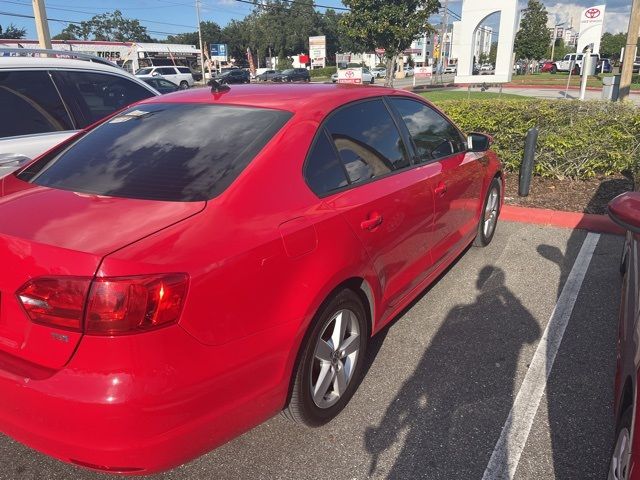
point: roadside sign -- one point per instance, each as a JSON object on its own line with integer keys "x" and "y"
{"x": 218, "y": 51}
{"x": 350, "y": 75}
{"x": 318, "y": 50}
{"x": 423, "y": 72}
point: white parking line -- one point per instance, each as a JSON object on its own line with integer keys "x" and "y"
{"x": 506, "y": 454}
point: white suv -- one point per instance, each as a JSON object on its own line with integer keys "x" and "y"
{"x": 181, "y": 76}
{"x": 45, "y": 100}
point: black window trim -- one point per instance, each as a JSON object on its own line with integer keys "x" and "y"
{"x": 350, "y": 184}
{"x": 413, "y": 145}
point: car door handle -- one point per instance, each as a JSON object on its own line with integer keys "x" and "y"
{"x": 374, "y": 221}
{"x": 441, "y": 189}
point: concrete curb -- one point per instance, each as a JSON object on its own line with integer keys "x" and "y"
{"x": 554, "y": 218}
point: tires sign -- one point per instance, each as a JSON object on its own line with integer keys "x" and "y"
{"x": 350, "y": 75}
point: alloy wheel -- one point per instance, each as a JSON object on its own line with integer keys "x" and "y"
{"x": 491, "y": 213}
{"x": 619, "y": 468}
{"x": 335, "y": 358}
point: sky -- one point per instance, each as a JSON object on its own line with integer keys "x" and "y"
{"x": 165, "y": 17}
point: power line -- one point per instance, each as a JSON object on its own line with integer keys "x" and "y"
{"x": 315, "y": 5}
{"x": 97, "y": 13}
{"x": 21, "y": 15}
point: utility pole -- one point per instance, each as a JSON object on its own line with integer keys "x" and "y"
{"x": 630, "y": 50}
{"x": 42, "y": 25}
{"x": 199, "y": 39}
{"x": 443, "y": 32}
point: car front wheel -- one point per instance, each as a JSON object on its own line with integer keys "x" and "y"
{"x": 331, "y": 362}
{"x": 619, "y": 467}
{"x": 489, "y": 215}
{"x": 184, "y": 85}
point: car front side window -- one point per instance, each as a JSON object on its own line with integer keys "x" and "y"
{"x": 433, "y": 135}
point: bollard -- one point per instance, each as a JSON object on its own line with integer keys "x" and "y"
{"x": 526, "y": 167}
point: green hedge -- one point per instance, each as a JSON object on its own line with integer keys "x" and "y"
{"x": 322, "y": 72}
{"x": 577, "y": 139}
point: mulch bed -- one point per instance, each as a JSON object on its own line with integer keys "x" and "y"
{"x": 586, "y": 196}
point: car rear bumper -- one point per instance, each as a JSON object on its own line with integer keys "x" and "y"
{"x": 156, "y": 401}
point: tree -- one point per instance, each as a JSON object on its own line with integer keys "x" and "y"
{"x": 493, "y": 53}
{"x": 532, "y": 40}
{"x": 560, "y": 50}
{"x": 13, "y": 32}
{"x": 611, "y": 45}
{"x": 108, "y": 27}
{"x": 389, "y": 25}
{"x": 64, "y": 35}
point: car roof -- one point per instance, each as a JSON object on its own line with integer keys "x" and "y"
{"x": 310, "y": 98}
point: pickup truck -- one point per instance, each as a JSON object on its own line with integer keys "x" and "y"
{"x": 570, "y": 61}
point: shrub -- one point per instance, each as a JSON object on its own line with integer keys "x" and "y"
{"x": 576, "y": 139}
{"x": 322, "y": 72}
{"x": 284, "y": 63}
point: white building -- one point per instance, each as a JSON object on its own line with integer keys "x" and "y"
{"x": 482, "y": 41}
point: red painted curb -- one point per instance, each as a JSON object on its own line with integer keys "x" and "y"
{"x": 554, "y": 218}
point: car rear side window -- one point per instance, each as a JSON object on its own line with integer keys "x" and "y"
{"x": 367, "y": 140}
{"x": 433, "y": 135}
{"x": 169, "y": 152}
{"x": 323, "y": 170}
{"x": 30, "y": 104}
{"x": 184, "y": 70}
{"x": 93, "y": 96}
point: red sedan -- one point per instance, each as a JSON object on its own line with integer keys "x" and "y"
{"x": 198, "y": 262}
{"x": 625, "y": 461}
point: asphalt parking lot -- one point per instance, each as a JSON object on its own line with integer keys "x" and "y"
{"x": 443, "y": 378}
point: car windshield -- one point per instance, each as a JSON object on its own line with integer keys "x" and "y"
{"x": 288, "y": 71}
{"x": 158, "y": 151}
{"x": 144, "y": 71}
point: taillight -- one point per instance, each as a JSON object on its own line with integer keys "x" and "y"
{"x": 114, "y": 306}
{"x": 55, "y": 301}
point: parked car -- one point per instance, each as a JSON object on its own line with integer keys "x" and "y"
{"x": 181, "y": 76}
{"x": 636, "y": 65}
{"x": 162, "y": 85}
{"x": 367, "y": 77}
{"x": 292, "y": 75}
{"x": 379, "y": 72}
{"x": 267, "y": 75}
{"x": 235, "y": 75}
{"x": 572, "y": 62}
{"x": 604, "y": 66}
{"x": 139, "y": 317}
{"x": 486, "y": 67}
{"x": 450, "y": 69}
{"x": 624, "y": 465}
{"x": 546, "y": 67}
{"x": 408, "y": 71}
{"x": 51, "y": 98}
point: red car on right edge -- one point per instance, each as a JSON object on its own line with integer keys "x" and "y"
{"x": 625, "y": 459}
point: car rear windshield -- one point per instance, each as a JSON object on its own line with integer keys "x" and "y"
{"x": 144, "y": 71}
{"x": 168, "y": 152}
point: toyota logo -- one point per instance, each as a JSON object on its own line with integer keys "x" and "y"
{"x": 592, "y": 13}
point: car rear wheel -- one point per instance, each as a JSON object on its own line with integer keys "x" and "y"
{"x": 489, "y": 215}
{"x": 373, "y": 80}
{"x": 331, "y": 363}
{"x": 184, "y": 85}
{"x": 554, "y": 69}
{"x": 621, "y": 456}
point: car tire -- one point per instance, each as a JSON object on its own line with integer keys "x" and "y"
{"x": 489, "y": 215}
{"x": 620, "y": 463}
{"x": 373, "y": 80}
{"x": 184, "y": 85}
{"x": 554, "y": 70}
{"x": 326, "y": 370}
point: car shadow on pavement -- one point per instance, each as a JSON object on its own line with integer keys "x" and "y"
{"x": 464, "y": 381}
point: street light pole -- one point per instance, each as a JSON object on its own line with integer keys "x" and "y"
{"x": 199, "y": 39}
{"x": 630, "y": 50}
{"x": 42, "y": 25}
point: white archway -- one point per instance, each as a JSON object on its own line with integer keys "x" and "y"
{"x": 473, "y": 14}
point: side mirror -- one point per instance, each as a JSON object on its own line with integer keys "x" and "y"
{"x": 625, "y": 211}
{"x": 155, "y": 74}
{"x": 479, "y": 142}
